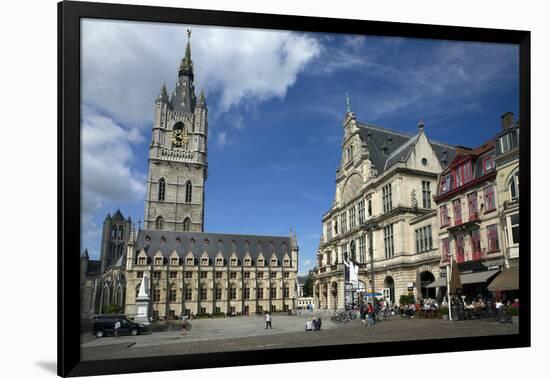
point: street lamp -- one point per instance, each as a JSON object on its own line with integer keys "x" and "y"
{"x": 370, "y": 227}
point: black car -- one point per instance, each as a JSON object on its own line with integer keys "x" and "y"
{"x": 104, "y": 325}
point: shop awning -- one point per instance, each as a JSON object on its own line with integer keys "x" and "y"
{"x": 440, "y": 282}
{"x": 477, "y": 277}
{"x": 466, "y": 279}
{"x": 506, "y": 280}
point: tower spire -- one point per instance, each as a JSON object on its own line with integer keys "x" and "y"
{"x": 348, "y": 103}
{"x": 163, "y": 95}
{"x": 186, "y": 65}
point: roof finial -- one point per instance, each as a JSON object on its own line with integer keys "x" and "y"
{"x": 348, "y": 103}
{"x": 188, "y": 33}
{"x": 421, "y": 125}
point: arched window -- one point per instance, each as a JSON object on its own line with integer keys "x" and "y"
{"x": 159, "y": 223}
{"x": 162, "y": 189}
{"x": 187, "y": 224}
{"x": 188, "y": 192}
{"x": 118, "y": 300}
{"x": 120, "y": 233}
{"x": 513, "y": 186}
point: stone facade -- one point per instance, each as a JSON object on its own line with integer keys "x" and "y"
{"x": 186, "y": 270}
{"x": 212, "y": 273}
{"x": 177, "y": 157}
{"x": 114, "y": 236}
{"x": 190, "y": 271}
{"x": 384, "y": 188}
{"x": 507, "y": 184}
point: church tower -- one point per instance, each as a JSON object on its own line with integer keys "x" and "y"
{"x": 178, "y": 156}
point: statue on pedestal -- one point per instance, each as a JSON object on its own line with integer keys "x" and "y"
{"x": 142, "y": 303}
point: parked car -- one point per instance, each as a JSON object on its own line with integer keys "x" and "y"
{"x": 104, "y": 325}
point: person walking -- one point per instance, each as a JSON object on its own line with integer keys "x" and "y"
{"x": 363, "y": 314}
{"x": 117, "y": 328}
{"x": 267, "y": 320}
{"x": 370, "y": 313}
{"x": 184, "y": 324}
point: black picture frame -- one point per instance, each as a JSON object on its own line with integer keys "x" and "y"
{"x": 69, "y": 16}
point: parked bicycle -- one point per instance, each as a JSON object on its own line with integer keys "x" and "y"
{"x": 343, "y": 316}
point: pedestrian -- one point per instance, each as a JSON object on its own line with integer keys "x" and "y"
{"x": 370, "y": 314}
{"x": 309, "y": 325}
{"x": 363, "y": 314}
{"x": 117, "y": 328}
{"x": 184, "y": 324}
{"x": 267, "y": 320}
{"x": 318, "y": 324}
{"x": 499, "y": 309}
{"x": 314, "y": 323}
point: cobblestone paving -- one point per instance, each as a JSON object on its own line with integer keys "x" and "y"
{"x": 248, "y": 333}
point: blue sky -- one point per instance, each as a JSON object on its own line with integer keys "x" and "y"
{"x": 276, "y": 103}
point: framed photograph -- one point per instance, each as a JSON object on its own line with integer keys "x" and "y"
{"x": 240, "y": 189}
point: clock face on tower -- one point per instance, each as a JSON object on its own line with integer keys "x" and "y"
{"x": 179, "y": 138}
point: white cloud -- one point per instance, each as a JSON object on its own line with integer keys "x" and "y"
{"x": 221, "y": 138}
{"x": 106, "y": 159}
{"x": 124, "y": 64}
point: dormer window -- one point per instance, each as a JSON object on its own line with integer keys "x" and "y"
{"x": 233, "y": 262}
{"x": 158, "y": 260}
{"x": 273, "y": 262}
{"x": 190, "y": 261}
{"x": 204, "y": 261}
{"x": 174, "y": 261}
{"x": 286, "y": 262}
{"x": 260, "y": 262}
{"x": 247, "y": 262}
{"x": 488, "y": 164}
{"x": 219, "y": 262}
{"x": 142, "y": 260}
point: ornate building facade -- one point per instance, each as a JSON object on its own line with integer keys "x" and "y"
{"x": 383, "y": 203}
{"x": 190, "y": 271}
{"x": 187, "y": 270}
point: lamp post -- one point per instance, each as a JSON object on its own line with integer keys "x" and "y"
{"x": 370, "y": 228}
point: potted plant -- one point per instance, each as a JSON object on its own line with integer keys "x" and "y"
{"x": 513, "y": 312}
{"x": 444, "y": 312}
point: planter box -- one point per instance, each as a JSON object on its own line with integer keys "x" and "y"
{"x": 445, "y": 317}
{"x": 515, "y": 321}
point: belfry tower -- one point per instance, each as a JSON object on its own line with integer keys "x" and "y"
{"x": 178, "y": 156}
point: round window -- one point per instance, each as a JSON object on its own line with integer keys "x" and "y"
{"x": 424, "y": 161}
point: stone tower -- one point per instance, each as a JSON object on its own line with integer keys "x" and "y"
{"x": 116, "y": 230}
{"x": 178, "y": 156}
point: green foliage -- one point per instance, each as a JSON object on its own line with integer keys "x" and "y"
{"x": 218, "y": 314}
{"x": 513, "y": 311}
{"x": 308, "y": 285}
{"x": 443, "y": 310}
{"x": 111, "y": 309}
{"x": 406, "y": 299}
{"x": 203, "y": 316}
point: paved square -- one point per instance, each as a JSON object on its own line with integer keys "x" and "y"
{"x": 249, "y": 333}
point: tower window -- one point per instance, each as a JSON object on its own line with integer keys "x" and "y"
{"x": 159, "y": 223}
{"x": 186, "y": 224}
{"x": 188, "y": 192}
{"x": 162, "y": 189}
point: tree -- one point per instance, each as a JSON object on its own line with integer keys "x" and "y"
{"x": 308, "y": 285}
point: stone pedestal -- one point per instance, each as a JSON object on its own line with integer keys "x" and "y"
{"x": 142, "y": 303}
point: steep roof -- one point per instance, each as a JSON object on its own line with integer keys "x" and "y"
{"x": 152, "y": 242}
{"x": 118, "y": 215}
{"x": 388, "y": 147}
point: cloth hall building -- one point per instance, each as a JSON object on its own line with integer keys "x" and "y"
{"x": 188, "y": 270}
